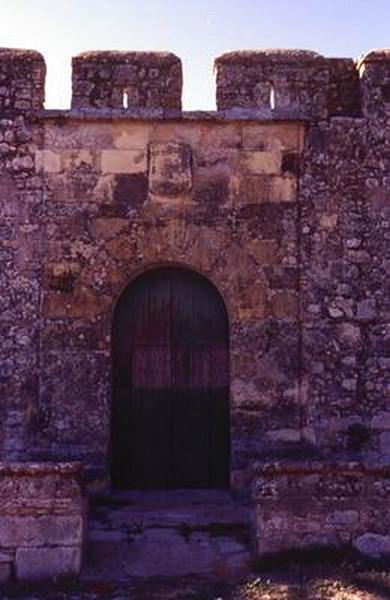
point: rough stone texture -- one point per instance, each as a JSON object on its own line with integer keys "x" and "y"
{"x": 126, "y": 79}
{"x": 344, "y": 191}
{"x": 308, "y": 504}
{"x": 210, "y": 200}
{"x": 42, "y": 520}
{"x": 373, "y": 545}
{"x": 168, "y": 533}
{"x": 45, "y": 563}
{"x": 287, "y": 213}
{"x": 374, "y": 70}
{"x": 22, "y": 79}
{"x": 297, "y": 80}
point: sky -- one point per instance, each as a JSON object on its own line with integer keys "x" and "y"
{"x": 196, "y": 30}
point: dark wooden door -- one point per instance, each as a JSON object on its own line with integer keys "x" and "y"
{"x": 170, "y": 425}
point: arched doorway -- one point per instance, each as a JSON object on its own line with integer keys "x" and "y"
{"x": 170, "y": 419}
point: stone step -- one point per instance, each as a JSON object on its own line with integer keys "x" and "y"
{"x": 172, "y": 533}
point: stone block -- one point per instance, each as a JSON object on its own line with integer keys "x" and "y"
{"x": 61, "y": 276}
{"x": 347, "y": 518}
{"x": 45, "y": 563}
{"x": 286, "y": 137}
{"x": 254, "y": 189}
{"x": 5, "y": 572}
{"x": 366, "y": 309}
{"x": 285, "y": 305}
{"x": 38, "y": 531}
{"x": 373, "y": 545}
{"x": 265, "y": 252}
{"x": 284, "y": 435}
{"x": 262, "y": 163}
{"x": 130, "y": 189}
{"x": 123, "y": 161}
{"x": 381, "y": 421}
{"x": 103, "y": 228}
{"x": 170, "y": 171}
{"x": 283, "y": 189}
{"x": 133, "y": 136}
{"x": 47, "y": 161}
{"x": 73, "y": 159}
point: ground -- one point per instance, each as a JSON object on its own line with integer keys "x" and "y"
{"x": 343, "y": 583}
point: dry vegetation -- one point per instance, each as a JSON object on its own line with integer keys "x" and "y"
{"x": 342, "y": 584}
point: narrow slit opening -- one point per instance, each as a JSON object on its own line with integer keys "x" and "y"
{"x": 125, "y": 100}
{"x": 272, "y": 97}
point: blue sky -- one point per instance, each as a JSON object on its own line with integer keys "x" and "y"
{"x": 197, "y": 31}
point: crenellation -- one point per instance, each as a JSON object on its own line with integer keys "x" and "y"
{"x": 22, "y": 80}
{"x": 374, "y": 71}
{"x": 113, "y": 79}
{"x": 295, "y": 80}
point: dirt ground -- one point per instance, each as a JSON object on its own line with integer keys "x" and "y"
{"x": 342, "y": 583}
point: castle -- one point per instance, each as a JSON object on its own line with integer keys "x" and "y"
{"x": 237, "y": 258}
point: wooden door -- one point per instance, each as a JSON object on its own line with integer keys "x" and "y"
{"x": 170, "y": 425}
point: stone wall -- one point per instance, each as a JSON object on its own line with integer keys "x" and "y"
{"x": 124, "y": 196}
{"x": 344, "y": 191}
{"x": 22, "y": 79}
{"x": 297, "y": 81}
{"x": 22, "y": 74}
{"x": 285, "y": 210}
{"x": 42, "y": 520}
{"x": 308, "y": 504}
{"x": 126, "y": 79}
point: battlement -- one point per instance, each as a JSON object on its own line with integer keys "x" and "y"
{"x": 112, "y": 79}
{"x": 273, "y": 82}
{"x": 374, "y": 71}
{"x": 297, "y": 80}
{"x": 22, "y": 79}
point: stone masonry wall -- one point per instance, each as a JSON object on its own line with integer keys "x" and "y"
{"x": 22, "y": 75}
{"x": 344, "y": 190}
{"x": 307, "y": 504}
{"x": 124, "y": 196}
{"x": 284, "y": 209}
{"x": 22, "y": 79}
{"x": 288, "y": 80}
{"x": 126, "y": 79}
{"x": 42, "y": 520}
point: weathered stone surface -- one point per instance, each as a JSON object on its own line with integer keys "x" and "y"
{"x": 22, "y": 79}
{"x": 181, "y": 532}
{"x": 45, "y": 563}
{"x": 42, "y": 519}
{"x": 262, "y": 163}
{"x": 123, "y": 161}
{"x": 296, "y": 80}
{"x": 298, "y": 504}
{"x": 5, "y": 571}
{"x": 284, "y": 209}
{"x": 47, "y": 161}
{"x": 373, "y": 545}
{"x": 126, "y": 79}
{"x": 40, "y": 531}
{"x": 170, "y": 169}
